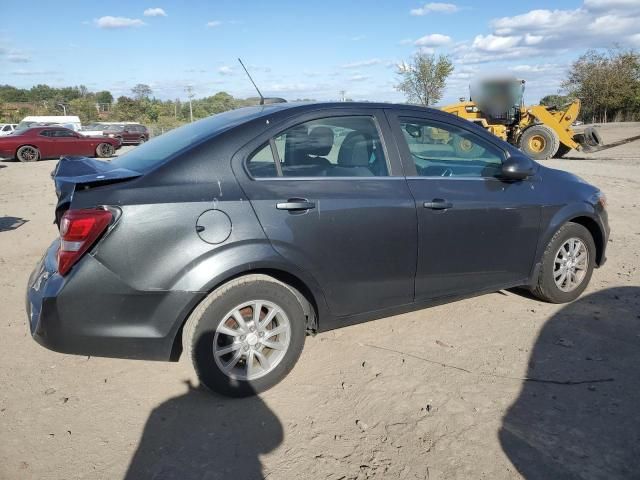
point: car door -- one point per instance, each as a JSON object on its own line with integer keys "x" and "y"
{"x": 66, "y": 142}
{"x": 332, "y": 200}
{"x": 130, "y": 135}
{"x": 476, "y": 231}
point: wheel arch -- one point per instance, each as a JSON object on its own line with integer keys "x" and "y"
{"x": 311, "y": 298}
{"x": 582, "y": 214}
{"x": 596, "y": 233}
{"x": 27, "y": 145}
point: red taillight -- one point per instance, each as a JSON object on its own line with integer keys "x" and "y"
{"x": 79, "y": 229}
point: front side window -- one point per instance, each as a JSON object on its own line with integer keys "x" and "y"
{"x": 328, "y": 147}
{"x": 443, "y": 150}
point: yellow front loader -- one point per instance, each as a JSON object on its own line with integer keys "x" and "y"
{"x": 541, "y": 132}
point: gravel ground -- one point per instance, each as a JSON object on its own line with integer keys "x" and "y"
{"x": 498, "y": 387}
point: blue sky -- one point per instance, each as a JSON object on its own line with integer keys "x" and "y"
{"x": 300, "y": 49}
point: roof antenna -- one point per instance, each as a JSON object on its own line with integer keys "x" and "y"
{"x": 254, "y": 83}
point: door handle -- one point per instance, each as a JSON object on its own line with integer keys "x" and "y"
{"x": 438, "y": 204}
{"x": 296, "y": 204}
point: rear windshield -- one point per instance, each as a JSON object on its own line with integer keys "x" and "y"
{"x": 161, "y": 148}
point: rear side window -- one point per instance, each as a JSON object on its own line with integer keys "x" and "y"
{"x": 161, "y": 148}
{"x": 443, "y": 150}
{"x": 329, "y": 147}
{"x": 262, "y": 163}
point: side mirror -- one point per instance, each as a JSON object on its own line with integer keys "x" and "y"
{"x": 518, "y": 167}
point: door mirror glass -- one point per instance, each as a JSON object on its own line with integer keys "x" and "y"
{"x": 517, "y": 167}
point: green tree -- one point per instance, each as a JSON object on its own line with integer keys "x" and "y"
{"x": 422, "y": 80}
{"x": 104, "y": 97}
{"x": 606, "y": 82}
{"x": 141, "y": 91}
{"x": 555, "y": 101}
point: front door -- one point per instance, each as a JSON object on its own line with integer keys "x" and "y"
{"x": 476, "y": 231}
{"x": 332, "y": 201}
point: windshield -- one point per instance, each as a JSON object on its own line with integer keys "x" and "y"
{"x": 161, "y": 148}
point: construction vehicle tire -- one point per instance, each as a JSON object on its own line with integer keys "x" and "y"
{"x": 539, "y": 142}
{"x": 562, "y": 151}
{"x": 465, "y": 148}
{"x": 592, "y": 137}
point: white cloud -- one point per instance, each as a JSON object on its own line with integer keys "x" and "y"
{"x": 538, "y": 68}
{"x": 358, "y": 38}
{"x": 358, "y": 78}
{"x": 434, "y": 7}
{"x": 544, "y": 33}
{"x": 433, "y": 40}
{"x": 18, "y": 58}
{"x": 363, "y": 63}
{"x": 225, "y": 70}
{"x": 494, "y": 43}
{"x": 608, "y": 5}
{"x": 32, "y": 72}
{"x": 118, "y": 22}
{"x": 154, "y": 12}
{"x": 213, "y": 23}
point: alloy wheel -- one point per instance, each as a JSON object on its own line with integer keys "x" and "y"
{"x": 251, "y": 340}
{"x": 570, "y": 264}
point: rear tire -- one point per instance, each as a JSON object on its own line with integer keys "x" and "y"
{"x": 28, "y": 153}
{"x": 557, "y": 261}
{"x": 242, "y": 360}
{"x": 105, "y": 150}
{"x": 539, "y": 142}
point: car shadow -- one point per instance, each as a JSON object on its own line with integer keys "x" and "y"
{"x": 11, "y": 223}
{"x": 578, "y": 414}
{"x": 201, "y": 435}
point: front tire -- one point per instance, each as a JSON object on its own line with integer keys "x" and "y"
{"x": 245, "y": 336}
{"x": 539, "y": 142}
{"x": 28, "y": 153}
{"x": 567, "y": 265}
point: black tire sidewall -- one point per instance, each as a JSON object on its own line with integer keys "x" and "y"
{"x": 546, "y": 282}
{"x": 28, "y": 161}
{"x": 552, "y": 142}
{"x": 202, "y": 341}
{"x": 99, "y": 150}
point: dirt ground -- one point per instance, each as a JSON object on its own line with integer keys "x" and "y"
{"x": 497, "y": 387}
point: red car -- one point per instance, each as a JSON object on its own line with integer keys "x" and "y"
{"x": 33, "y": 144}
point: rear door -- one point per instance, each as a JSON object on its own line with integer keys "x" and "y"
{"x": 332, "y": 199}
{"x": 476, "y": 231}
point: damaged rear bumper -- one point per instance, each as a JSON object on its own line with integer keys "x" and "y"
{"x": 93, "y": 312}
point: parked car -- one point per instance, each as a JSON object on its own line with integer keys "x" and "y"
{"x": 71, "y": 122}
{"x": 7, "y": 128}
{"x": 128, "y": 133}
{"x": 231, "y": 238}
{"x": 93, "y": 130}
{"x": 38, "y": 143}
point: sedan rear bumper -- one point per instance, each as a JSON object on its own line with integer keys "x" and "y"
{"x": 92, "y": 312}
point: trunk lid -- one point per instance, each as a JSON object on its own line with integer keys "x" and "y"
{"x": 74, "y": 172}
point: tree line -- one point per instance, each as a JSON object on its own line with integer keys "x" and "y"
{"x": 607, "y": 84}
{"x": 139, "y": 106}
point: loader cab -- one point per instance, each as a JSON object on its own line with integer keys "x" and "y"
{"x": 500, "y": 99}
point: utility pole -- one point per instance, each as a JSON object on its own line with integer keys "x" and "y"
{"x": 190, "y": 94}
